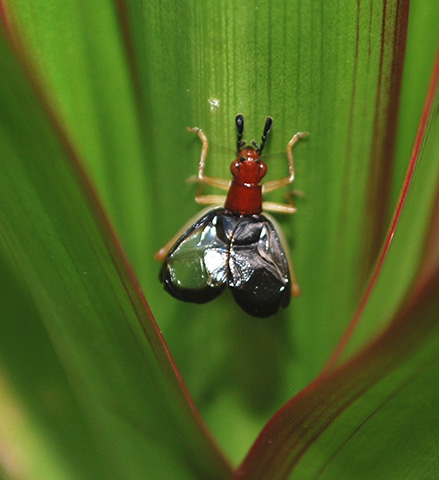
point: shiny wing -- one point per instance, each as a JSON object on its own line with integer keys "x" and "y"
{"x": 259, "y": 277}
{"x": 195, "y": 269}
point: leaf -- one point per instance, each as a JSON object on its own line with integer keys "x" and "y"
{"x": 92, "y": 307}
{"x": 369, "y": 390}
{"x": 362, "y": 408}
{"x": 124, "y": 81}
{"x": 403, "y": 247}
{"x": 43, "y": 432}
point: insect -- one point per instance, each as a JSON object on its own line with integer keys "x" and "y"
{"x": 235, "y": 245}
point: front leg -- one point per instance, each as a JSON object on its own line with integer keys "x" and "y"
{"x": 204, "y": 148}
{"x": 221, "y": 183}
{"x": 276, "y": 184}
{"x": 202, "y": 199}
{"x": 201, "y": 178}
{"x": 283, "y": 182}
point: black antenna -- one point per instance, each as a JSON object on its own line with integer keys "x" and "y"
{"x": 267, "y": 128}
{"x": 239, "y": 120}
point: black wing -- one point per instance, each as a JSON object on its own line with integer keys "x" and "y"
{"x": 239, "y": 251}
{"x": 258, "y": 268}
{"x": 195, "y": 269}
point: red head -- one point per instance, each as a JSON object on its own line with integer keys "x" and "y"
{"x": 245, "y": 192}
{"x": 248, "y": 168}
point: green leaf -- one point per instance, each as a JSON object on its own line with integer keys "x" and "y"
{"x": 97, "y": 319}
{"x": 43, "y": 432}
{"x": 340, "y": 425}
{"x": 123, "y": 81}
{"x": 358, "y": 421}
{"x": 367, "y": 393}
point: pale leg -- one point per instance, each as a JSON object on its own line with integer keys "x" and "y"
{"x": 283, "y": 182}
{"x": 201, "y": 178}
{"x": 289, "y": 209}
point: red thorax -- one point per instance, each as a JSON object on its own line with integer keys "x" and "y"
{"x": 245, "y": 192}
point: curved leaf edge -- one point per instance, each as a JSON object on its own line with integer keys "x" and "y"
{"x": 16, "y": 41}
{"x": 288, "y": 434}
{"x": 293, "y": 429}
{"x": 413, "y": 161}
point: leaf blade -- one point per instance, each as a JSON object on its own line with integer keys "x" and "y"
{"x": 93, "y": 307}
{"x": 296, "y": 428}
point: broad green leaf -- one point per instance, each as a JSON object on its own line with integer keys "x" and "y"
{"x": 355, "y": 423}
{"x": 124, "y": 79}
{"x": 78, "y": 52}
{"x": 37, "y": 404}
{"x": 408, "y": 247}
{"x": 96, "y": 317}
{"x": 314, "y": 434}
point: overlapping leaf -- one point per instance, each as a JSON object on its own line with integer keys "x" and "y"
{"x": 123, "y": 80}
{"x": 96, "y": 317}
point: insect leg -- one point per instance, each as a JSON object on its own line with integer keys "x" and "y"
{"x": 275, "y": 184}
{"x": 204, "y": 148}
{"x": 161, "y": 254}
{"x": 201, "y": 178}
{"x": 279, "y": 207}
{"x": 210, "y": 199}
{"x": 221, "y": 183}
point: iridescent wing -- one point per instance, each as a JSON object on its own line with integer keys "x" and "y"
{"x": 222, "y": 249}
{"x": 195, "y": 269}
{"x": 258, "y": 277}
